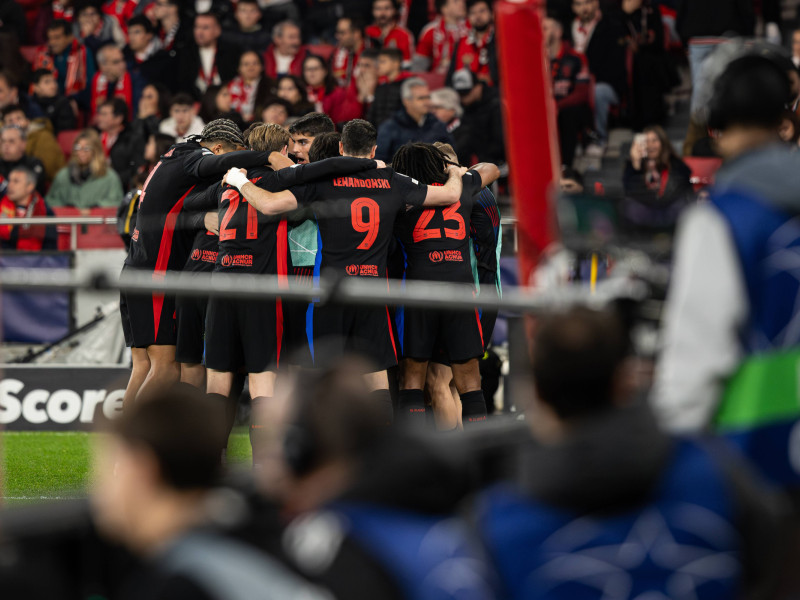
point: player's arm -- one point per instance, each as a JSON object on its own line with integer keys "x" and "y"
{"x": 210, "y": 165}
{"x": 450, "y": 192}
{"x": 200, "y": 209}
{"x": 323, "y": 169}
{"x": 268, "y": 203}
{"x": 488, "y": 172}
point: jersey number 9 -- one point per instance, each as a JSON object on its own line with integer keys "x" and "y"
{"x": 359, "y": 209}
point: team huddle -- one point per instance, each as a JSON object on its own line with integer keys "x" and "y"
{"x": 233, "y": 202}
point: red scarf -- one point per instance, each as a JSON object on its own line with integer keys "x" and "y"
{"x": 316, "y": 95}
{"x": 242, "y": 96}
{"x": 62, "y": 12}
{"x": 123, "y": 90}
{"x": 75, "y": 80}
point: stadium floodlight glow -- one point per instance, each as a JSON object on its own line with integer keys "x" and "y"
{"x": 341, "y": 290}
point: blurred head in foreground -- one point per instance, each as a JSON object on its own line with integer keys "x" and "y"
{"x": 318, "y": 431}
{"x": 579, "y": 367}
{"x": 156, "y": 465}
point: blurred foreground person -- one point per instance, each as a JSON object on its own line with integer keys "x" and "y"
{"x": 731, "y": 337}
{"x": 155, "y": 493}
{"x": 379, "y": 500}
{"x": 606, "y": 505}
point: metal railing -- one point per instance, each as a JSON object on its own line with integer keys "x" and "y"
{"x": 73, "y": 222}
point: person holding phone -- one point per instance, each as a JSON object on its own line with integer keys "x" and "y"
{"x": 656, "y": 182}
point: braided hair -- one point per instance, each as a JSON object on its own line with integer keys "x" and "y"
{"x": 221, "y": 130}
{"x": 423, "y": 162}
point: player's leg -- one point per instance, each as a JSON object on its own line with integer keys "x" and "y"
{"x": 437, "y": 383}
{"x": 420, "y": 329}
{"x": 262, "y": 389}
{"x": 190, "y": 314}
{"x": 411, "y": 400}
{"x": 467, "y": 378}
{"x": 164, "y": 371}
{"x": 141, "y": 367}
{"x": 193, "y": 374}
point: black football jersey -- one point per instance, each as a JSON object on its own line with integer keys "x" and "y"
{"x": 203, "y": 255}
{"x": 435, "y": 241}
{"x": 356, "y": 217}
{"x": 160, "y": 241}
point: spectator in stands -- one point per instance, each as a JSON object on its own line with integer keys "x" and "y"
{"x": 22, "y": 200}
{"x": 646, "y": 496}
{"x": 67, "y": 58}
{"x": 413, "y": 123}
{"x": 789, "y": 130}
{"x": 570, "y": 87}
{"x": 276, "y": 110}
{"x": 387, "y": 94}
{"x": 183, "y": 120}
{"x": 349, "y": 46}
{"x": 41, "y": 144}
{"x": 95, "y": 29}
{"x": 174, "y": 32}
{"x": 796, "y": 48}
{"x": 144, "y": 55}
{"x": 446, "y": 106}
{"x": 366, "y": 75}
{"x": 123, "y": 11}
{"x": 652, "y": 76}
{"x": 293, "y": 90}
{"x": 11, "y": 95}
{"x": 53, "y": 105}
{"x": 477, "y": 51}
{"x": 246, "y": 32}
{"x": 656, "y": 182}
{"x": 123, "y": 145}
{"x": 482, "y": 123}
{"x": 216, "y": 104}
{"x": 439, "y": 37}
{"x": 156, "y": 146}
{"x": 386, "y": 32}
{"x": 284, "y": 56}
{"x": 152, "y": 109}
{"x": 250, "y": 88}
{"x": 339, "y": 103}
{"x": 601, "y": 38}
{"x": 13, "y": 141}
{"x": 12, "y": 59}
{"x": 112, "y": 80}
{"x": 86, "y": 181}
{"x": 49, "y": 12}
{"x": 208, "y": 60}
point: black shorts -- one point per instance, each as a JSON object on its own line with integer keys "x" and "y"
{"x": 242, "y": 333}
{"x": 363, "y": 330}
{"x": 436, "y": 335}
{"x": 147, "y": 320}
{"x": 295, "y": 339}
{"x": 190, "y": 312}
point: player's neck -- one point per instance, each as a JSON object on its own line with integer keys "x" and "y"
{"x": 357, "y": 155}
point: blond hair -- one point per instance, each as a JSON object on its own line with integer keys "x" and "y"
{"x": 269, "y": 137}
{"x": 447, "y": 150}
{"x": 97, "y": 164}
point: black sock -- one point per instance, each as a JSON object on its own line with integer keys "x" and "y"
{"x": 473, "y": 408}
{"x": 384, "y": 397}
{"x": 256, "y": 425}
{"x": 411, "y": 408}
{"x": 225, "y": 402}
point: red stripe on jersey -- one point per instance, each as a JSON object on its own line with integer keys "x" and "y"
{"x": 391, "y": 333}
{"x": 480, "y": 329}
{"x": 282, "y": 243}
{"x": 162, "y": 259}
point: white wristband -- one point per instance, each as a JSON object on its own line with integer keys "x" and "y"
{"x": 237, "y": 179}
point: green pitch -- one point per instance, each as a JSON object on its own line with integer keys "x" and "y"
{"x": 47, "y": 465}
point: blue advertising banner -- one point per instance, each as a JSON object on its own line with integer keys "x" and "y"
{"x": 35, "y": 318}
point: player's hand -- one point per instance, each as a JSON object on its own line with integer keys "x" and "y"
{"x": 381, "y": 164}
{"x": 211, "y": 221}
{"x": 278, "y": 161}
{"x": 456, "y": 169}
{"x": 236, "y": 177}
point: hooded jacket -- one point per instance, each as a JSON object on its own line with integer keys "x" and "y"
{"x": 401, "y": 128}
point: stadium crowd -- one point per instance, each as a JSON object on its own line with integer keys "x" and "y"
{"x": 241, "y": 152}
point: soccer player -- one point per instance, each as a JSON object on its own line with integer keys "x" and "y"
{"x": 161, "y": 242}
{"x": 248, "y": 333}
{"x": 436, "y": 246}
{"x": 356, "y": 217}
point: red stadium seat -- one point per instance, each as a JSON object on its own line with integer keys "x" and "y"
{"x": 322, "y": 50}
{"x": 66, "y": 140}
{"x": 434, "y": 80}
{"x": 29, "y": 53}
{"x": 64, "y": 230}
{"x": 703, "y": 170}
{"x": 88, "y": 236}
